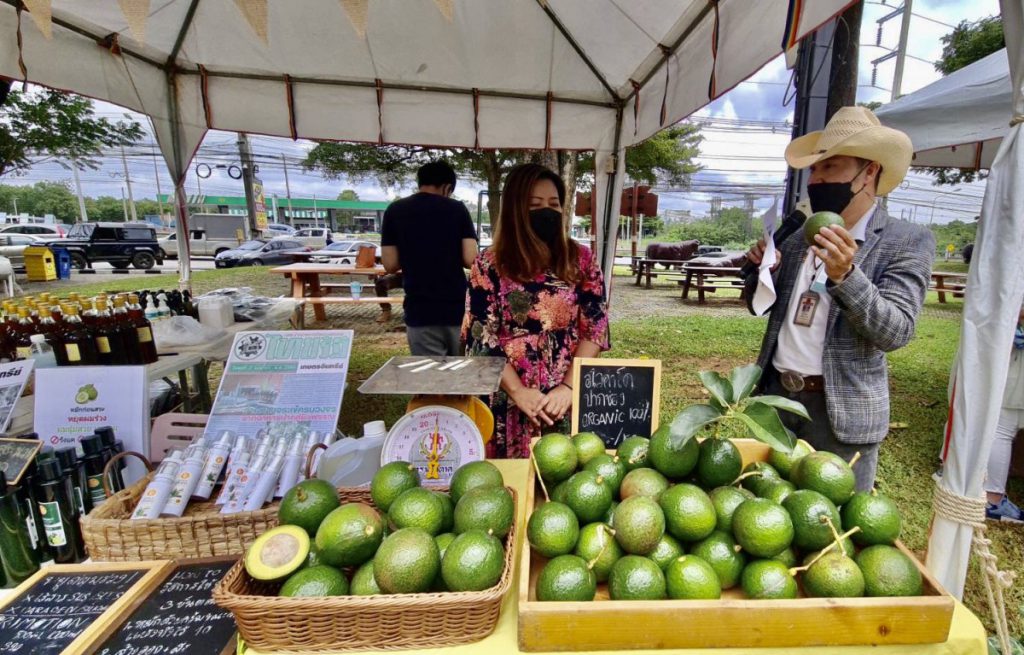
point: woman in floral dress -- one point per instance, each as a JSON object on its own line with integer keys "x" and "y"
{"x": 537, "y": 298}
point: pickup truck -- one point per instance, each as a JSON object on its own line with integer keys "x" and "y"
{"x": 120, "y": 244}
{"x": 314, "y": 237}
{"x": 200, "y": 245}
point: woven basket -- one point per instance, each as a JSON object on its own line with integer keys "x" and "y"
{"x": 111, "y": 536}
{"x": 338, "y": 623}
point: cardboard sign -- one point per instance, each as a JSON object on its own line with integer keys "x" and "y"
{"x": 179, "y": 616}
{"x": 63, "y": 607}
{"x": 616, "y": 398}
{"x": 72, "y": 401}
{"x": 13, "y": 377}
{"x": 15, "y": 457}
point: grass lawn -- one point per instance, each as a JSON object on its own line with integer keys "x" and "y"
{"x": 718, "y": 336}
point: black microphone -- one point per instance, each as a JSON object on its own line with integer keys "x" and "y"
{"x": 789, "y": 225}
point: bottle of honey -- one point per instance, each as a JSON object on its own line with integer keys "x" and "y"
{"x": 79, "y": 345}
{"x": 143, "y": 330}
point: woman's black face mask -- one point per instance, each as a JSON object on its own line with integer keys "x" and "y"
{"x": 546, "y": 223}
{"x": 833, "y": 196}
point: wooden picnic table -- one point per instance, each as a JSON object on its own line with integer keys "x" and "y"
{"x": 645, "y": 267}
{"x": 710, "y": 278}
{"x": 308, "y": 289}
{"x": 947, "y": 282}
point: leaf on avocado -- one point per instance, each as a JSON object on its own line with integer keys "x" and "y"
{"x": 785, "y": 404}
{"x": 743, "y": 380}
{"x": 690, "y": 421}
{"x": 720, "y": 388}
{"x": 766, "y": 426}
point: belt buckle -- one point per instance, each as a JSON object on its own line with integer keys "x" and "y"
{"x": 792, "y": 382}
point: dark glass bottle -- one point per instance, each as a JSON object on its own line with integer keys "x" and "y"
{"x": 143, "y": 330}
{"x": 34, "y": 520}
{"x": 54, "y": 495}
{"x": 93, "y": 461}
{"x": 54, "y": 335}
{"x": 23, "y": 338}
{"x": 68, "y": 458}
{"x": 18, "y": 559}
{"x": 109, "y": 344}
{"x": 126, "y": 331}
{"x": 110, "y": 448}
{"x": 79, "y": 346}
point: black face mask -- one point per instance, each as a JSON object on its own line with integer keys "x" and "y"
{"x": 833, "y": 196}
{"x": 546, "y": 223}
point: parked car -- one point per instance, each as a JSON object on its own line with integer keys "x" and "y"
{"x": 12, "y": 246}
{"x": 316, "y": 237}
{"x": 199, "y": 244}
{"x": 342, "y": 252}
{"x": 46, "y": 230}
{"x": 259, "y": 252}
{"x": 121, "y": 244}
{"x": 278, "y": 230}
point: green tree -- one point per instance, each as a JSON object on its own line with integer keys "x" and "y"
{"x": 348, "y": 194}
{"x": 966, "y": 44}
{"x": 46, "y": 124}
{"x": 667, "y": 157}
{"x": 41, "y": 199}
{"x": 105, "y": 208}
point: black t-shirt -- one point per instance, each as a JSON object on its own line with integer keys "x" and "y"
{"x": 428, "y": 230}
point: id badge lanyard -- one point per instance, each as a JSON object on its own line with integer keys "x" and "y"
{"x": 807, "y": 303}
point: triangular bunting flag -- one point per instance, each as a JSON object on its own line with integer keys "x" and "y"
{"x": 42, "y": 15}
{"x": 136, "y": 12}
{"x": 357, "y": 11}
{"x": 255, "y": 12}
{"x": 447, "y": 8}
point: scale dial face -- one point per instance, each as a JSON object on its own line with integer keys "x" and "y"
{"x": 436, "y": 440}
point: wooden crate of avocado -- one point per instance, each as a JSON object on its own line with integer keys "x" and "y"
{"x": 731, "y": 621}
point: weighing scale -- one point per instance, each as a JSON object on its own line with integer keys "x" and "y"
{"x": 445, "y": 424}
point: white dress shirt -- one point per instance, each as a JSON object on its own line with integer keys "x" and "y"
{"x": 800, "y": 348}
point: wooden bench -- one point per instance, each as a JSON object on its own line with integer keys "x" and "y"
{"x": 941, "y": 284}
{"x": 299, "y": 318}
{"x": 709, "y": 279}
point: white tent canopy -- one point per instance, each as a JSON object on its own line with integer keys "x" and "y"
{"x": 561, "y": 74}
{"x": 960, "y": 119}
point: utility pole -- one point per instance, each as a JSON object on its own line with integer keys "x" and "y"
{"x": 83, "y": 216}
{"x": 124, "y": 205}
{"x": 245, "y": 154}
{"x": 287, "y": 189}
{"x": 900, "y": 53}
{"x": 842, "y": 83}
{"x": 128, "y": 181}
{"x": 156, "y": 174}
{"x": 15, "y": 199}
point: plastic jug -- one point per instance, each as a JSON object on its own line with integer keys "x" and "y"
{"x": 351, "y": 462}
{"x": 216, "y": 312}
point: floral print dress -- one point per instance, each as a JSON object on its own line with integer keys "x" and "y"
{"x": 536, "y": 326}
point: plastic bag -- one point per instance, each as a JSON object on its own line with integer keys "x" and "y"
{"x": 183, "y": 332}
{"x": 247, "y": 306}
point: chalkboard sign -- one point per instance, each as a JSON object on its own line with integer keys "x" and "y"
{"x": 180, "y": 616}
{"x": 60, "y": 607}
{"x": 15, "y": 456}
{"x": 615, "y": 398}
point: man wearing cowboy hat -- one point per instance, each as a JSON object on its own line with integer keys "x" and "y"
{"x": 852, "y": 297}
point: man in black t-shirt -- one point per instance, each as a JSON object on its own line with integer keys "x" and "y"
{"x": 430, "y": 238}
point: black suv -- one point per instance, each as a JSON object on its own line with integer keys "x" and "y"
{"x": 121, "y": 244}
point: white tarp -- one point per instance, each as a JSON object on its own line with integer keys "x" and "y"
{"x": 561, "y": 74}
{"x": 958, "y": 120}
{"x": 995, "y": 286}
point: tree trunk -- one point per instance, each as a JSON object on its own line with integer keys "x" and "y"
{"x": 567, "y": 165}
{"x": 492, "y": 169}
{"x": 842, "y": 91}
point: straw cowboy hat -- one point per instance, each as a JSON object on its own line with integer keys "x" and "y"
{"x": 856, "y": 132}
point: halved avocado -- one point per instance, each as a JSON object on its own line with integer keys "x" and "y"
{"x": 277, "y": 553}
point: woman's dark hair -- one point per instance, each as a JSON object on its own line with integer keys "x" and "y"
{"x": 518, "y": 253}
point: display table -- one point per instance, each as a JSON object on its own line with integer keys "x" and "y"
{"x": 308, "y": 288}
{"x": 966, "y": 635}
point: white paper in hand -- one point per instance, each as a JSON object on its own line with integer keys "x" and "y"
{"x": 764, "y": 296}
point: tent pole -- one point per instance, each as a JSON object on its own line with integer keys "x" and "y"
{"x": 180, "y": 198}
{"x": 611, "y": 208}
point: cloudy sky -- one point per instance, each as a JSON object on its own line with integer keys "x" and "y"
{"x": 757, "y": 112}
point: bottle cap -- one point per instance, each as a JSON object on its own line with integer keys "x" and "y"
{"x": 374, "y": 429}
{"x": 37, "y": 338}
{"x": 226, "y": 438}
{"x": 68, "y": 458}
{"x": 49, "y": 470}
{"x": 106, "y": 434}
{"x": 92, "y": 445}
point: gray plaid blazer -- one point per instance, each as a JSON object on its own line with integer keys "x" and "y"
{"x": 874, "y": 311}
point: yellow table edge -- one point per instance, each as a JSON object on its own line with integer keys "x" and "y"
{"x": 966, "y": 634}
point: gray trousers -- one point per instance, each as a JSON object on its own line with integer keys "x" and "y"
{"x": 435, "y": 340}
{"x": 818, "y": 431}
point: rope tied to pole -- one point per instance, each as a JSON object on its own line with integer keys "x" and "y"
{"x": 971, "y": 512}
